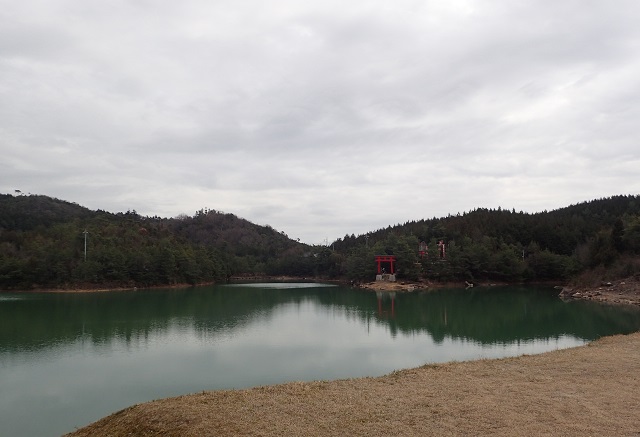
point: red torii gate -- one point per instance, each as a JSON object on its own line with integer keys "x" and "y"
{"x": 385, "y": 258}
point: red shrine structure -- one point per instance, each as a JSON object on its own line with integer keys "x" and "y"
{"x": 383, "y": 274}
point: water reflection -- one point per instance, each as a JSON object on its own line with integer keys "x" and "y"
{"x": 498, "y": 315}
{"x": 388, "y": 310}
{"x": 73, "y": 358}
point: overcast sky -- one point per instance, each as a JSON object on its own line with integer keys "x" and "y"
{"x": 320, "y": 118}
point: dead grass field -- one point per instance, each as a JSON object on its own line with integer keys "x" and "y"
{"x": 589, "y": 390}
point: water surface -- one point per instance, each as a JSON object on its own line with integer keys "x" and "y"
{"x": 67, "y": 359}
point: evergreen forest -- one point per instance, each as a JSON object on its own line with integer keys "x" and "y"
{"x": 47, "y": 243}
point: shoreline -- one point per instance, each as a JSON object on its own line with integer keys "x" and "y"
{"x": 103, "y": 289}
{"x": 620, "y": 292}
{"x": 587, "y": 390}
{"x": 410, "y": 286}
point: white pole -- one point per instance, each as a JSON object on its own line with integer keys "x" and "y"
{"x": 85, "y": 244}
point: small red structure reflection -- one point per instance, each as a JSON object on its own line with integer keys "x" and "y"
{"x": 384, "y": 296}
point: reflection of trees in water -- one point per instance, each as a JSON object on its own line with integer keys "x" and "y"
{"x": 497, "y": 315}
{"x": 493, "y": 315}
{"x": 36, "y": 321}
{"x": 508, "y": 314}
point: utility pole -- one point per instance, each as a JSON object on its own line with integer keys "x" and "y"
{"x": 85, "y": 244}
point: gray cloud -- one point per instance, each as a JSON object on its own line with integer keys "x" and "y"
{"x": 320, "y": 119}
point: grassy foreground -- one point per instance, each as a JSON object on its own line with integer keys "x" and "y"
{"x": 589, "y": 390}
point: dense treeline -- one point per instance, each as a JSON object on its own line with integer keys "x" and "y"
{"x": 42, "y": 245}
{"x": 505, "y": 245}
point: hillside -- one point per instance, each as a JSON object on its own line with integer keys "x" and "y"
{"x": 505, "y": 245}
{"x": 25, "y": 213}
{"x": 42, "y": 245}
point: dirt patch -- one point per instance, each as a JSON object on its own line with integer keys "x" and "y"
{"x": 418, "y": 285}
{"x": 589, "y": 390}
{"x": 402, "y": 285}
{"x": 392, "y": 286}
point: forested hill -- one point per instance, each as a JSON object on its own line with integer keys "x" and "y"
{"x": 25, "y": 213}
{"x": 502, "y": 244}
{"x": 42, "y": 245}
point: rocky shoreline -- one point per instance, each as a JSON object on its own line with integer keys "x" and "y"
{"x": 624, "y": 292}
{"x": 409, "y": 286}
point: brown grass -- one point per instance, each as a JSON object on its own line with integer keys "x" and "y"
{"x": 590, "y": 390}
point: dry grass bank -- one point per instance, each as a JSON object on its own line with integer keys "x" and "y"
{"x": 590, "y": 390}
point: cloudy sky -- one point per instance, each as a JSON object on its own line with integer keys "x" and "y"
{"x": 320, "y": 118}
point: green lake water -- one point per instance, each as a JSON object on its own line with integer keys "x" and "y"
{"x": 68, "y": 359}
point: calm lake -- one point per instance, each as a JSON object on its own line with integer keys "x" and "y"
{"x": 67, "y": 359}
